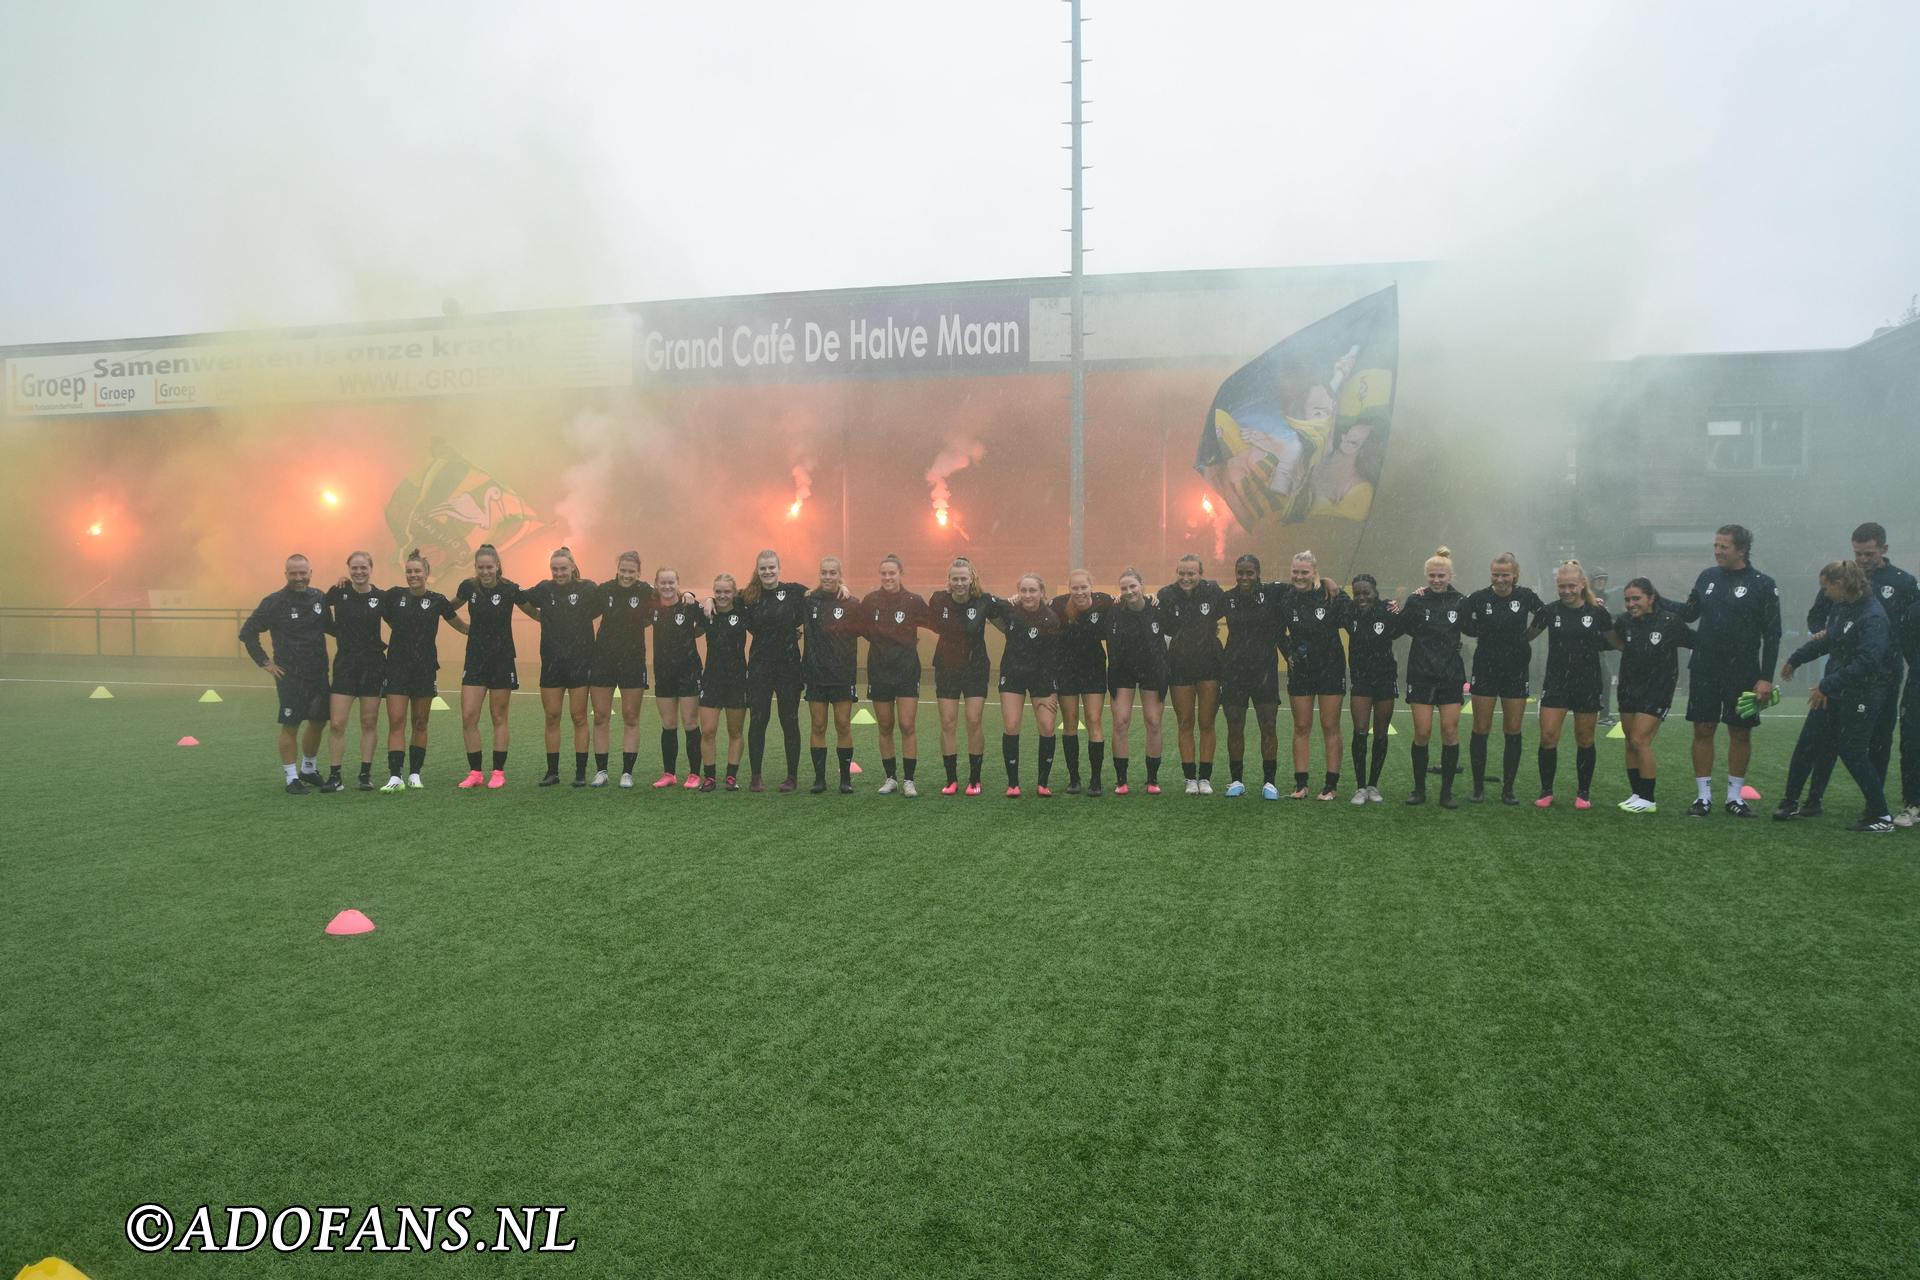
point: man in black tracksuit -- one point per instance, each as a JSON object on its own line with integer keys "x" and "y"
{"x": 1845, "y": 705}
{"x": 1897, "y": 592}
{"x": 296, "y": 617}
{"x": 1734, "y": 649}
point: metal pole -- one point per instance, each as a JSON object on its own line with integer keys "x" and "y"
{"x": 1077, "y": 496}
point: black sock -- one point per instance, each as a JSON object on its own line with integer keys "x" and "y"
{"x": 907, "y": 766}
{"x": 669, "y": 751}
{"x": 579, "y": 764}
{"x": 1379, "y": 760}
{"x": 1647, "y": 783}
{"x": 499, "y": 761}
{"x": 707, "y": 770}
{"x": 1510, "y": 763}
{"x": 600, "y": 761}
{"x": 1332, "y": 782}
{"x": 1360, "y": 757}
{"x": 845, "y": 757}
{"x": 333, "y": 772}
{"x": 629, "y": 758}
{"x": 366, "y": 767}
{"x": 553, "y": 764}
{"x": 886, "y": 767}
{"x": 1190, "y": 769}
{"x": 951, "y": 763}
{"x": 1420, "y": 770}
{"x": 1096, "y": 758}
{"x": 1120, "y": 764}
{"x": 396, "y": 760}
{"x": 473, "y": 761}
{"x": 820, "y": 765}
{"x": 693, "y": 752}
{"x": 1549, "y": 767}
{"x": 1072, "y": 741}
{"x": 1010, "y": 752}
{"x": 1633, "y": 780}
{"x": 1236, "y": 768}
{"x": 1449, "y": 766}
{"x": 1045, "y": 767}
{"x": 974, "y": 760}
{"x": 416, "y": 756}
{"x": 1206, "y": 770}
{"x": 1584, "y": 759}
{"x": 1477, "y": 754}
{"x": 1269, "y": 770}
{"x": 1153, "y": 770}
{"x": 1299, "y": 779}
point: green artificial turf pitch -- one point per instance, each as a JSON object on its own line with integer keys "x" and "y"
{"x": 865, "y": 1036}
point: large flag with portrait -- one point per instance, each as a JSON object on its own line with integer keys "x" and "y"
{"x": 1302, "y": 430}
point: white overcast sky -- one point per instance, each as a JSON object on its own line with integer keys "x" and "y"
{"x": 1684, "y": 175}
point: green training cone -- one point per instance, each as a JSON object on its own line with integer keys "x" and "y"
{"x": 1618, "y": 731}
{"x": 864, "y": 716}
{"x": 100, "y": 691}
{"x": 210, "y": 696}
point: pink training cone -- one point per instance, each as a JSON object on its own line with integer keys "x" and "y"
{"x": 853, "y": 766}
{"x": 348, "y": 923}
{"x": 188, "y": 741}
{"x": 1749, "y": 793}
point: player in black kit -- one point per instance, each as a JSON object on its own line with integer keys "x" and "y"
{"x": 1371, "y": 628}
{"x": 1316, "y": 612}
{"x": 1500, "y": 617}
{"x": 891, "y": 618}
{"x": 959, "y": 618}
{"x": 1843, "y": 707}
{"x": 412, "y": 614}
{"x": 831, "y": 664}
{"x": 296, "y": 619}
{"x": 1435, "y": 617}
{"x": 1190, "y": 611}
{"x": 723, "y": 685}
{"x": 1082, "y": 679}
{"x": 1028, "y": 666}
{"x": 1577, "y": 627}
{"x": 359, "y": 667}
{"x": 1734, "y": 649}
{"x": 1136, "y": 664}
{"x": 619, "y": 665}
{"x": 565, "y": 606}
{"x": 774, "y": 611}
{"x": 1250, "y": 672}
{"x": 1650, "y": 636}
{"x": 678, "y": 622}
{"x": 489, "y": 675}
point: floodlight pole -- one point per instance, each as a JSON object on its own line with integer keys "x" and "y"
{"x": 1077, "y": 493}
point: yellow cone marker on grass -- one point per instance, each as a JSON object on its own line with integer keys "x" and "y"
{"x": 50, "y": 1269}
{"x": 864, "y": 716}
{"x": 211, "y": 696}
{"x": 440, "y": 703}
{"x": 99, "y": 691}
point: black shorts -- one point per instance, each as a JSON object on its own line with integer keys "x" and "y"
{"x": 1711, "y": 698}
{"x": 830, "y": 693}
{"x": 410, "y": 682}
{"x": 1581, "y": 699}
{"x": 617, "y": 671}
{"x": 1379, "y": 690}
{"x": 1501, "y": 683}
{"x": 491, "y": 670}
{"x": 1123, "y": 676}
{"x": 302, "y": 696}
{"x": 1329, "y": 681}
{"x": 724, "y": 694}
{"x": 1033, "y": 684}
{"x": 1077, "y": 679}
{"x": 1261, "y": 687}
{"x": 1645, "y": 702}
{"x": 564, "y": 673}
{"x": 1444, "y": 694}
{"x": 359, "y": 675}
{"x": 682, "y": 682}
{"x": 1193, "y": 668}
{"x": 891, "y": 690}
{"x": 955, "y": 683}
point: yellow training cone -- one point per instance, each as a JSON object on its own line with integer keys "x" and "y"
{"x": 864, "y": 716}
{"x": 1392, "y": 732}
{"x": 1618, "y": 731}
{"x": 50, "y": 1269}
{"x": 210, "y": 696}
{"x": 440, "y": 703}
{"x": 99, "y": 691}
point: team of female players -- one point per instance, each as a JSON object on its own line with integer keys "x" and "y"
{"x": 1064, "y": 658}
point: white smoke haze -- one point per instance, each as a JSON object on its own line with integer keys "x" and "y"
{"x": 955, "y": 457}
{"x": 802, "y": 487}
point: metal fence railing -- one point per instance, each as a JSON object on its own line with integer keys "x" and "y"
{"x": 136, "y": 632}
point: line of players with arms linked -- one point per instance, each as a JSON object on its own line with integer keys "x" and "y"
{"x": 773, "y": 643}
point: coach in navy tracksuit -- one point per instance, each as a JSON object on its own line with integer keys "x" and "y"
{"x": 297, "y": 619}
{"x": 1845, "y": 704}
{"x": 1897, "y": 592}
{"x": 1908, "y": 628}
{"x": 1734, "y": 649}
